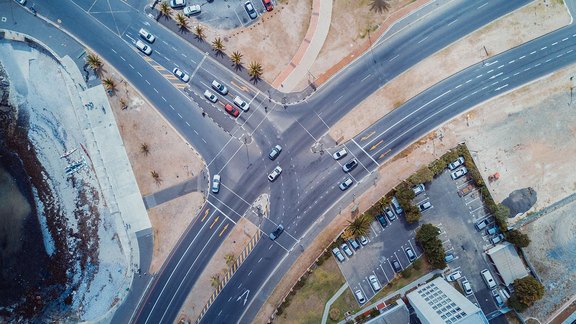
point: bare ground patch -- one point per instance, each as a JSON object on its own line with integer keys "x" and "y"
{"x": 520, "y": 26}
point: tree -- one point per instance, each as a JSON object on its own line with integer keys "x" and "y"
{"x": 412, "y": 214}
{"x": 527, "y": 290}
{"x": 144, "y": 149}
{"x": 334, "y": 314}
{"x": 518, "y": 238}
{"x": 236, "y": 59}
{"x": 109, "y": 84}
{"x": 230, "y": 259}
{"x": 421, "y": 176}
{"x": 94, "y": 61}
{"x": 358, "y": 227}
{"x": 156, "y": 176}
{"x": 165, "y": 10}
{"x": 215, "y": 280}
{"x": 380, "y": 6}
{"x": 199, "y": 32}
{"x": 182, "y": 21}
{"x": 501, "y": 215}
{"x": 255, "y": 71}
{"x": 427, "y": 237}
{"x": 218, "y": 46}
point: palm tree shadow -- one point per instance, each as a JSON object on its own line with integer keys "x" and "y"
{"x": 255, "y": 79}
{"x": 238, "y": 67}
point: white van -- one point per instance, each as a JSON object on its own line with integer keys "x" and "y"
{"x": 241, "y": 103}
{"x": 488, "y": 279}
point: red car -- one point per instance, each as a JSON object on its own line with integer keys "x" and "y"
{"x": 268, "y": 5}
{"x": 232, "y": 110}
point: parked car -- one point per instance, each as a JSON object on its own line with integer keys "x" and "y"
{"x": 492, "y": 230}
{"x": 497, "y": 298}
{"x": 231, "y": 110}
{"x": 268, "y": 5}
{"x": 410, "y": 254}
{"x": 449, "y": 257}
{"x": 488, "y": 279}
{"x": 210, "y": 96}
{"x": 396, "y": 205}
{"x": 454, "y": 276}
{"x": 396, "y": 265}
{"x": 382, "y": 220}
{"x": 374, "y": 282}
{"x": 363, "y": 240}
{"x": 274, "y": 235}
{"x": 275, "y": 152}
{"x": 241, "y": 103}
{"x": 177, "y": 4}
{"x": 219, "y": 87}
{"x": 346, "y": 184}
{"x": 424, "y": 206}
{"x": 147, "y": 35}
{"x": 418, "y": 189}
{"x": 181, "y": 75}
{"x": 22, "y": 2}
{"x": 354, "y": 244}
{"x": 143, "y": 47}
{"x": 457, "y": 174}
{"x": 250, "y": 10}
{"x": 340, "y": 154}
{"x": 216, "y": 183}
{"x": 192, "y": 10}
{"x": 497, "y": 238}
{"x": 350, "y": 165}
{"x": 389, "y": 213}
{"x": 275, "y": 173}
{"x": 466, "y": 286}
{"x": 455, "y": 164}
{"x": 346, "y": 249}
{"x": 338, "y": 254}
{"x": 360, "y": 297}
{"x": 482, "y": 224}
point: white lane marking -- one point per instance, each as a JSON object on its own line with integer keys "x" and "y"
{"x": 468, "y": 81}
{"x": 543, "y": 48}
{"x": 139, "y": 74}
{"x": 496, "y": 75}
{"x": 555, "y": 43}
{"x": 196, "y": 132}
{"x": 570, "y": 51}
{"x": 527, "y": 69}
{"x": 183, "y": 55}
{"x": 453, "y": 21}
{"x": 506, "y": 78}
{"x": 123, "y": 59}
{"x": 131, "y": 66}
{"x": 479, "y": 76}
{"x": 559, "y": 55}
{"x": 532, "y": 52}
{"x": 180, "y": 116}
{"x": 501, "y": 66}
{"x": 521, "y": 57}
{"x": 458, "y": 86}
{"x": 147, "y": 82}
{"x": 203, "y": 140}
{"x": 363, "y": 150}
{"x": 114, "y": 51}
{"x": 423, "y": 39}
{"x": 171, "y": 107}
{"x": 482, "y": 5}
{"x": 536, "y": 65}
{"x": 564, "y": 39}
{"x": 164, "y": 99}
{"x": 502, "y": 87}
{"x": 392, "y": 59}
{"x": 490, "y": 71}
{"x": 187, "y": 124}
{"x": 366, "y": 77}
{"x": 338, "y": 99}
{"x": 488, "y": 64}
{"x": 155, "y": 90}
{"x": 548, "y": 60}
{"x": 511, "y": 61}
{"x": 515, "y": 74}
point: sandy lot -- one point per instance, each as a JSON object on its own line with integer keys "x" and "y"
{"x": 545, "y": 15}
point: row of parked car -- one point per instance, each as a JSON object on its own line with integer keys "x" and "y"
{"x": 354, "y": 243}
{"x": 196, "y": 9}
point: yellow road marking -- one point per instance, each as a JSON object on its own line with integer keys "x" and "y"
{"x": 376, "y": 145}
{"x": 244, "y": 88}
{"x": 383, "y": 154}
{"x": 147, "y": 58}
{"x": 159, "y": 67}
{"x": 367, "y": 136}
{"x": 223, "y": 230}
{"x": 179, "y": 85}
{"x": 170, "y": 76}
{"x": 205, "y": 214}
{"x": 214, "y": 222}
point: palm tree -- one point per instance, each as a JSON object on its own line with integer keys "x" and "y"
{"x": 123, "y": 103}
{"x": 199, "y": 31}
{"x": 181, "y": 21}
{"x": 380, "y": 6}
{"x": 215, "y": 280}
{"x": 218, "y": 46}
{"x": 255, "y": 71}
{"x": 360, "y": 226}
{"x": 109, "y": 84}
{"x": 145, "y": 149}
{"x": 165, "y": 10}
{"x": 94, "y": 61}
{"x": 236, "y": 59}
{"x": 156, "y": 177}
{"x": 230, "y": 259}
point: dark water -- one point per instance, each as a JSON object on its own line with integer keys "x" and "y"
{"x": 23, "y": 258}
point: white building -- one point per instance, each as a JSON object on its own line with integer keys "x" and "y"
{"x": 439, "y": 302}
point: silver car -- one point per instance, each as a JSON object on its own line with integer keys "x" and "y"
{"x": 345, "y": 184}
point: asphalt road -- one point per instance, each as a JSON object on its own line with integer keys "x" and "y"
{"x": 305, "y": 196}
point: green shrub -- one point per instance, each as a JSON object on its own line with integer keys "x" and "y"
{"x": 406, "y": 273}
{"x": 518, "y": 238}
{"x": 374, "y": 312}
{"x": 421, "y": 176}
{"x": 335, "y": 314}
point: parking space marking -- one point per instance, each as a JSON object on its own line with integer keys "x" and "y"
{"x": 471, "y": 201}
{"x": 473, "y": 211}
{"x": 464, "y": 184}
{"x": 385, "y": 275}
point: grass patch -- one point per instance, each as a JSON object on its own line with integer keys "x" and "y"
{"x": 306, "y": 303}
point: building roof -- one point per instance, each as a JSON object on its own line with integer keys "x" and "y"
{"x": 439, "y": 302}
{"x": 398, "y": 314}
{"x": 506, "y": 260}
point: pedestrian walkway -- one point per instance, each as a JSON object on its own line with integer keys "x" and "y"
{"x": 331, "y": 301}
{"x": 177, "y": 190}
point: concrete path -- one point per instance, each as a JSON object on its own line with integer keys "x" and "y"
{"x": 332, "y": 300}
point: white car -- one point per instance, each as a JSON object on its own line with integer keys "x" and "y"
{"x": 454, "y": 276}
{"x": 458, "y": 162}
{"x": 22, "y": 2}
{"x": 192, "y": 10}
{"x": 345, "y": 184}
{"x": 210, "y": 96}
{"x": 418, "y": 189}
{"x": 181, "y": 74}
{"x": 346, "y": 249}
{"x": 360, "y": 297}
{"x": 338, "y": 254}
{"x": 241, "y": 103}
{"x": 146, "y": 35}
{"x": 363, "y": 240}
{"x": 374, "y": 282}
{"x": 424, "y": 206}
{"x": 275, "y": 173}
{"x": 177, "y": 3}
{"x": 457, "y": 174}
{"x": 340, "y": 154}
{"x": 467, "y": 287}
{"x": 220, "y": 87}
{"x": 216, "y": 183}
{"x": 143, "y": 47}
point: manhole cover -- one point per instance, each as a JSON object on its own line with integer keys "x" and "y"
{"x": 4, "y": 19}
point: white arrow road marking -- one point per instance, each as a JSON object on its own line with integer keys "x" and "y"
{"x": 247, "y": 292}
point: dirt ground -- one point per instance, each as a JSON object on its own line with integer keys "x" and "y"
{"x": 238, "y": 238}
{"x": 552, "y": 255}
{"x": 168, "y": 155}
{"x": 529, "y": 22}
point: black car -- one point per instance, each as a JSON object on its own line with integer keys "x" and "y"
{"x": 396, "y": 266}
{"x": 382, "y": 220}
{"x": 250, "y": 10}
{"x": 274, "y": 235}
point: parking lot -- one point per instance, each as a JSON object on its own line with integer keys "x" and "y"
{"x": 456, "y": 207}
{"x": 225, "y": 14}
